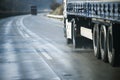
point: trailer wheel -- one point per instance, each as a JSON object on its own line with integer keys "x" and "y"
{"x": 111, "y": 53}
{"x": 74, "y": 37}
{"x": 103, "y": 43}
{"x": 69, "y": 41}
{"x": 96, "y": 45}
{"x": 73, "y": 33}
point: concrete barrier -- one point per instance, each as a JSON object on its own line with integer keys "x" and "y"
{"x": 55, "y": 16}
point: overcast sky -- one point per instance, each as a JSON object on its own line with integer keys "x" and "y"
{"x": 24, "y": 5}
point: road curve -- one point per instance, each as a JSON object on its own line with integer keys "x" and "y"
{"x": 33, "y": 48}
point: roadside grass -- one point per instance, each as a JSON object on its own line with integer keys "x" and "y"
{"x": 58, "y": 11}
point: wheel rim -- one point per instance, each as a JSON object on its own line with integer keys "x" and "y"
{"x": 103, "y": 44}
{"x": 96, "y": 39}
{"x": 110, "y": 45}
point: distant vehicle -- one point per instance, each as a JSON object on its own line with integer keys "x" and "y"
{"x": 34, "y": 10}
{"x": 97, "y": 20}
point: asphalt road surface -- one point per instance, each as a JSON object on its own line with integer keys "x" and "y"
{"x": 34, "y": 48}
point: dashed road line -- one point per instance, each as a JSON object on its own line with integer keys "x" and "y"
{"x": 46, "y": 56}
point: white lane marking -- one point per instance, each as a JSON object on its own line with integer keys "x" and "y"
{"x": 21, "y": 28}
{"x": 46, "y": 55}
{"x": 57, "y": 78}
{"x": 21, "y": 33}
{"x": 26, "y": 35}
{"x": 36, "y": 37}
{"x": 86, "y": 32}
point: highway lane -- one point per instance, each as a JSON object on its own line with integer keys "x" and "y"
{"x": 34, "y": 48}
{"x": 18, "y": 59}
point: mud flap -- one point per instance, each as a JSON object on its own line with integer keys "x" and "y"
{"x": 68, "y": 30}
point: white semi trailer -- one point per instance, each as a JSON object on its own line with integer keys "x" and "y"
{"x": 97, "y": 20}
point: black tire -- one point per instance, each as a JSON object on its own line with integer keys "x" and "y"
{"x": 73, "y": 33}
{"x": 69, "y": 41}
{"x": 111, "y": 50}
{"x": 75, "y": 39}
{"x": 96, "y": 40}
{"x": 103, "y": 43}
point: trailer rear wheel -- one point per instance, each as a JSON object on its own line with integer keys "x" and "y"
{"x": 75, "y": 39}
{"x": 73, "y": 32}
{"x": 103, "y": 43}
{"x": 111, "y": 53}
{"x": 96, "y": 45}
{"x": 69, "y": 41}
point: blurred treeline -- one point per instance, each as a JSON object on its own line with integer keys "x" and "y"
{"x": 12, "y": 7}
